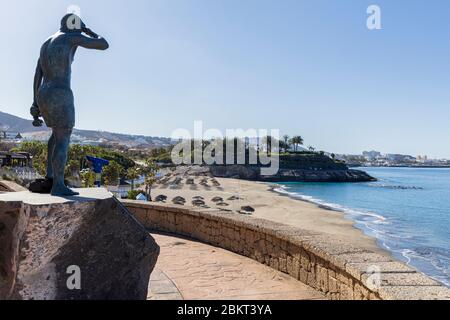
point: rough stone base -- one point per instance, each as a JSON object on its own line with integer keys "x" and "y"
{"x": 47, "y": 242}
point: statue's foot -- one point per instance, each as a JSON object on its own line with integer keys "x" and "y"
{"x": 63, "y": 191}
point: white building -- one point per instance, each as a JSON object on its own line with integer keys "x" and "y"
{"x": 141, "y": 197}
{"x": 371, "y": 155}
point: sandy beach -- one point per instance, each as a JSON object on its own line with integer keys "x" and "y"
{"x": 268, "y": 205}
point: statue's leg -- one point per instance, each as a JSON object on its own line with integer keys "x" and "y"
{"x": 51, "y": 149}
{"x": 59, "y": 161}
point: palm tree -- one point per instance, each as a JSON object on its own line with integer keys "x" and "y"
{"x": 132, "y": 174}
{"x": 297, "y": 141}
{"x": 286, "y": 142}
{"x": 311, "y": 148}
{"x": 150, "y": 170}
{"x": 111, "y": 173}
{"x": 270, "y": 142}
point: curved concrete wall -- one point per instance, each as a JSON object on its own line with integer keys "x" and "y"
{"x": 338, "y": 269}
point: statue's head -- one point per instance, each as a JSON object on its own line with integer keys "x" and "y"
{"x": 72, "y": 23}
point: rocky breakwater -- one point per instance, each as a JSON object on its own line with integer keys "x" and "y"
{"x": 81, "y": 248}
{"x": 253, "y": 173}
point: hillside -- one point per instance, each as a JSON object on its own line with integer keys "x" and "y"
{"x": 15, "y": 124}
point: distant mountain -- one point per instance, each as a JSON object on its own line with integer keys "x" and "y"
{"x": 25, "y": 127}
{"x": 15, "y": 124}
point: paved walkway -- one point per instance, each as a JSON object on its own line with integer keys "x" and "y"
{"x": 195, "y": 271}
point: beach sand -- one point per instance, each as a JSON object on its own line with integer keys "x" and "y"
{"x": 268, "y": 205}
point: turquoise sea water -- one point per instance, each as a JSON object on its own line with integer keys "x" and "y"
{"x": 407, "y": 211}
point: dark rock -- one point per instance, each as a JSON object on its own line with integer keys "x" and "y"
{"x": 235, "y": 171}
{"x": 253, "y": 173}
{"x": 43, "y": 186}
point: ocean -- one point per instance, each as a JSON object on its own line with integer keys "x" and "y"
{"x": 407, "y": 211}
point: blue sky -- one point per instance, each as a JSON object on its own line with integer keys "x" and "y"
{"x": 304, "y": 67}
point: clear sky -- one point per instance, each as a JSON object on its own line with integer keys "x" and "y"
{"x": 308, "y": 67}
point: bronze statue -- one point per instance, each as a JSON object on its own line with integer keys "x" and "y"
{"x": 53, "y": 97}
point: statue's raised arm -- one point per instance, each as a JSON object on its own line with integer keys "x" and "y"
{"x": 92, "y": 40}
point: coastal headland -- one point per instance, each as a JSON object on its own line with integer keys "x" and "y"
{"x": 253, "y": 173}
{"x": 297, "y": 167}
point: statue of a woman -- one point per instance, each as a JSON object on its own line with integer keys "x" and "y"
{"x": 53, "y": 97}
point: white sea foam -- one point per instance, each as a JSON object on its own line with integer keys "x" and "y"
{"x": 377, "y": 218}
{"x": 369, "y": 222}
{"x": 432, "y": 258}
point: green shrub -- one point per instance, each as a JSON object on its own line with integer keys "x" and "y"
{"x": 134, "y": 193}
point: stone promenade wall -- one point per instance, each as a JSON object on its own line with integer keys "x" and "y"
{"x": 338, "y": 269}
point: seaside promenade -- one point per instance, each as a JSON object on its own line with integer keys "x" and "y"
{"x": 315, "y": 247}
{"x": 190, "y": 270}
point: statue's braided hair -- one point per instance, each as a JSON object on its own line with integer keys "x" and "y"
{"x": 72, "y": 22}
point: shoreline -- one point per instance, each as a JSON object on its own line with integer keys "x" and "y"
{"x": 364, "y": 229}
{"x": 281, "y": 207}
{"x": 273, "y": 206}
{"x": 273, "y": 188}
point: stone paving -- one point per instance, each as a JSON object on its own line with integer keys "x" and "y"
{"x": 192, "y": 270}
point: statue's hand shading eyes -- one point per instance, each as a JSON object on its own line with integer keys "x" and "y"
{"x": 90, "y": 33}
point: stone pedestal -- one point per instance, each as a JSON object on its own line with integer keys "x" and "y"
{"x": 76, "y": 248}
